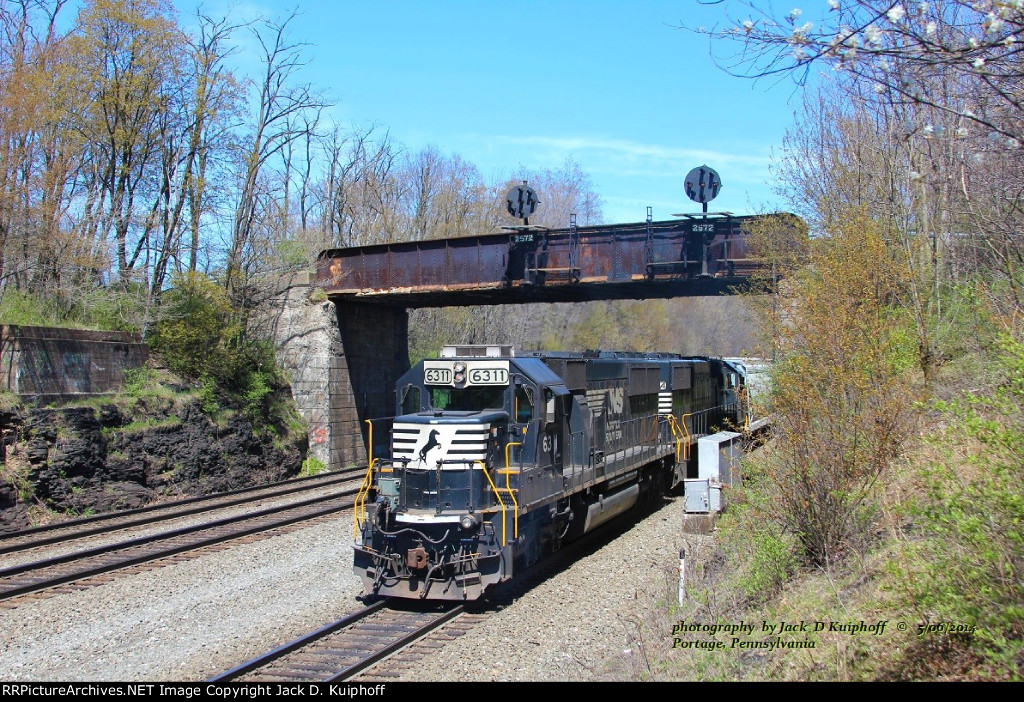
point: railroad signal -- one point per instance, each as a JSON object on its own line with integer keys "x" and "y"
{"x": 703, "y": 184}
{"x": 521, "y": 202}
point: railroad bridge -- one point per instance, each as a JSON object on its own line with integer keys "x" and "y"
{"x": 374, "y": 286}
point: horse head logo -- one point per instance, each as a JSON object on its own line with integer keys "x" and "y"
{"x": 431, "y": 444}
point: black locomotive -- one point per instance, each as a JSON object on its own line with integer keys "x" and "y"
{"x": 498, "y": 458}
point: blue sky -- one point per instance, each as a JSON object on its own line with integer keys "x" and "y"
{"x": 616, "y": 86}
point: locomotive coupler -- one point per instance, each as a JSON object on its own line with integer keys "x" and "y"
{"x": 416, "y": 558}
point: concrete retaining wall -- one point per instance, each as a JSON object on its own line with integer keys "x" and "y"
{"x": 51, "y": 365}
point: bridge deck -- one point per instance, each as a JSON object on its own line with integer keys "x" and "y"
{"x": 692, "y": 256}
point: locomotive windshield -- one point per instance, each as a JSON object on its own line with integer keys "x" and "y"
{"x": 471, "y": 399}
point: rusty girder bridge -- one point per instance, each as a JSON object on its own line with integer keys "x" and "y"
{"x": 373, "y": 288}
{"x": 692, "y": 255}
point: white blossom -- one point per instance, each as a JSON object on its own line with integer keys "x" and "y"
{"x": 879, "y": 88}
{"x": 873, "y": 35}
{"x": 895, "y": 13}
{"x": 928, "y": 129}
{"x": 1010, "y": 40}
{"x": 930, "y": 29}
{"x": 834, "y": 4}
{"x": 992, "y": 24}
{"x": 973, "y": 43}
{"x": 914, "y": 175}
{"x": 961, "y": 131}
{"x": 922, "y": 7}
{"x": 748, "y": 26}
{"x": 794, "y": 14}
{"x": 978, "y": 62}
{"x": 799, "y": 54}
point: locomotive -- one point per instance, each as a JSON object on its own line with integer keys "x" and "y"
{"x": 498, "y": 458}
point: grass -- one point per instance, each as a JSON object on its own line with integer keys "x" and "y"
{"x": 9, "y": 401}
{"x": 942, "y": 545}
{"x": 313, "y": 466}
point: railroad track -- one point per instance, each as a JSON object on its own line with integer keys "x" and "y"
{"x": 71, "y": 530}
{"x": 343, "y": 649}
{"x": 91, "y": 566}
{"x": 353, "y": 648}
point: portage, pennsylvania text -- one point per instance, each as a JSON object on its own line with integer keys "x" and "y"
{"x": 742, "y": 633}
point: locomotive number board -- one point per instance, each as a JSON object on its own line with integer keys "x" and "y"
{"x": 476, "y": 373}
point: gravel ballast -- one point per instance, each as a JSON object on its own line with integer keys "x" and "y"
{"x": 190, "y": 620}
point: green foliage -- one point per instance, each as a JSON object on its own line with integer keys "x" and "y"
{"x": 115, "y": 308}
{"x": 9, "y": 400}
{"x": 293, "y": 254}
{"x": 771, "y": 560}
{"x": 200, "y": 338}
{"x": 969, "y": 570}
{"x": 761, "y": 556}
{"x": 118, "y": 308}
{"x": 840, "y": 391}
{"x": 137, "y": 381}
{"x": 22, "y": 309}
{"x": 196, "y": 329}
{"x": 313, "y": 466}
{"x": 208, "y": 397}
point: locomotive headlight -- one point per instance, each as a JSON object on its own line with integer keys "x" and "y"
{"x": 469, "y": 522}
{"x": 459, "y": 367}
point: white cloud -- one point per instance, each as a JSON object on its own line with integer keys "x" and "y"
{"x": 617, "y": 151}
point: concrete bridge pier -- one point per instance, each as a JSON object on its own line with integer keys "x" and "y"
{"x": 374, "y": 354}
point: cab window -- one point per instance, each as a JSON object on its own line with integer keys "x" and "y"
{"x": 524, "y": 404}
{"x": 467, "y": 399}
{"x": 411, "y": 400}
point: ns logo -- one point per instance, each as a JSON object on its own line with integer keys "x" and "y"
{"x": 432, "y": 449}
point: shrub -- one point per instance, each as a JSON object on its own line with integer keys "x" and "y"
{"x": 200, "y": 338}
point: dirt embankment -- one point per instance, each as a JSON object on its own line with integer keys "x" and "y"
{"x": 84, "y": 460}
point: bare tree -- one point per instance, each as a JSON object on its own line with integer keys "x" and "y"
{"x": 275, "y": 127}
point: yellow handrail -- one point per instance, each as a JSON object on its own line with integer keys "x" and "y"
{"x": 508, "y": 487}
{"x": 501, "y": 502}
{"x": 674, "y": 427}
{"x": 509, "y": 445}
{"x": 686, "y": 429}
{"x": 359, "y": 511}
